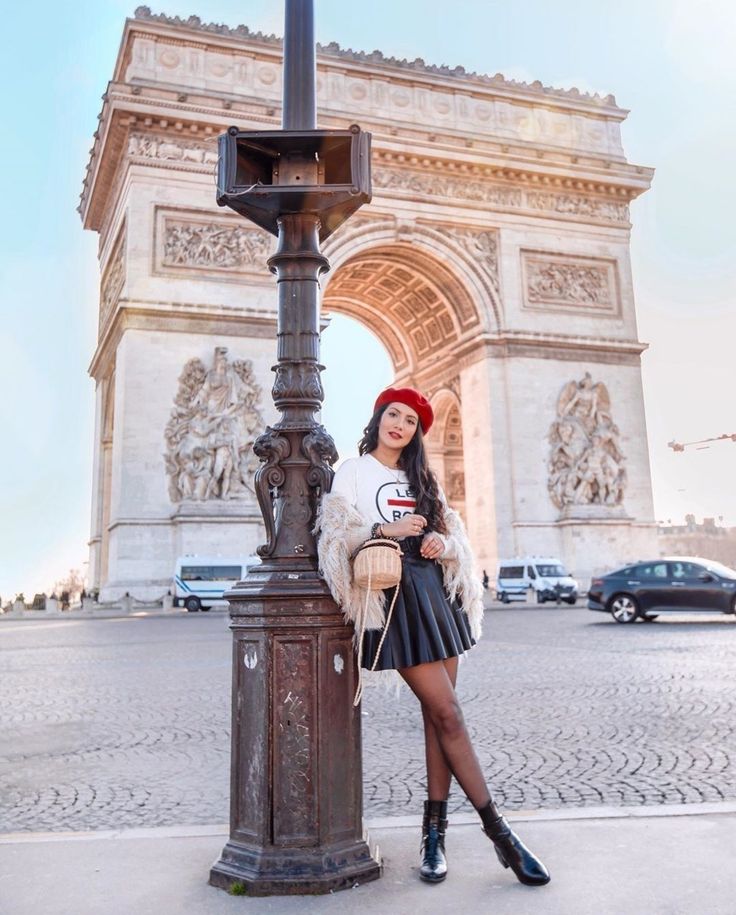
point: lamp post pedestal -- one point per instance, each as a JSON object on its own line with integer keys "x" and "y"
{"x": 296, "y": 795}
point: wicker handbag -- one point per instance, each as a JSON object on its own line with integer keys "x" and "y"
{"x": 376, "y": 566}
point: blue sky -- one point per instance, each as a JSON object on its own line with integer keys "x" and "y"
{"x": 670, "y": 63}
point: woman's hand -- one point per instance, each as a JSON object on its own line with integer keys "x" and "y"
{"x": 432, "y": 546}
{"x": 409, "y": 526}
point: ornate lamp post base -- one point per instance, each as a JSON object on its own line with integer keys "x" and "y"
{"x": 296, "y": 798}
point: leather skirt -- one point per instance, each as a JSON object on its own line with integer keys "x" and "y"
{"x": 425, "y": 626}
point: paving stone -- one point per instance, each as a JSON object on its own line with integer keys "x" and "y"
{"x": 111, "y": 724}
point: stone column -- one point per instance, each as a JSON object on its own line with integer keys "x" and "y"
{"x": 487, "y": 465}
{"x": 95, "y": 540}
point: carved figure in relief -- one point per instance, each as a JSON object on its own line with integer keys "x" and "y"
{"x": 588, "y": 402}
{"x": 192, "y": 244}
{"x": 586, "y": 464}
{"x": 456, "y": 487}
{"x": 151, "y": 146}
{"x": 567, "y": 283}
{"x": 210, "y": 434}
{"x": 194, "y": 477}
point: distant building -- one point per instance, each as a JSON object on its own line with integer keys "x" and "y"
{"x": 708, "y": 540}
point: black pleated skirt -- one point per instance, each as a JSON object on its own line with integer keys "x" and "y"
{"x": 425, "y": 626}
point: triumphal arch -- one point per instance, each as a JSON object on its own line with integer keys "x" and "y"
{"x": 493, "y": 263}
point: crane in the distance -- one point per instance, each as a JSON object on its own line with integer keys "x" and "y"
{"x": 703, "y": 443}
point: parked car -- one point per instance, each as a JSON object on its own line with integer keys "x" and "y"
{"x": 670, "y": 585}
{"x": 545, "y": 576}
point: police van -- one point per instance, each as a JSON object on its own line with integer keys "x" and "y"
{"x": 201, "y": 581}
{"x": 543, "y": 576}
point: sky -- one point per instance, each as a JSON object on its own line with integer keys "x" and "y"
{"x": 670, "y": 63}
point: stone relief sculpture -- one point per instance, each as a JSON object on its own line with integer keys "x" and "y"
{"x": 433, "y": 184}
{"x": 113, "y": 279}
{"x": 456, "y": 486}
{"x": 551, "y": 282}
{"x": 210, "y": 434}
{"x": 578, "y": 205}
{"x": 214, "y": 245}
{"x": 483, "y": 247}
{"x": 154, "y": 146}
{"x": 586, "y": 465}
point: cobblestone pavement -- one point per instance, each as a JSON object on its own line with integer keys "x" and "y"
{"x": 124, "y": 722}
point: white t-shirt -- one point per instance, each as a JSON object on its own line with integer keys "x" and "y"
{"x": 379, "y": 493}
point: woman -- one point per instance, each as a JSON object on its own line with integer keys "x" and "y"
{"x": 389, "y": 491}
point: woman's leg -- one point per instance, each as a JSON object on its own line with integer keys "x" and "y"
{"x": 432, "y": 685}
{"x": 433, "y": 865}
{"x": 438, "y": 772}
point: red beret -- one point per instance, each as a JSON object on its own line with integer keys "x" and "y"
{"x": 410, "y": 398}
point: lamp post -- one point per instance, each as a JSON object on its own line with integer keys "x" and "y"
{"x": 296, "y": 777}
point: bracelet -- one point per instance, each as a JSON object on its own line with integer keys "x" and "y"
{"x": 378, "y": 534}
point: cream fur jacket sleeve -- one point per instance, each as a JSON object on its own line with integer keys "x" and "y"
{"x": 340, "y": 529}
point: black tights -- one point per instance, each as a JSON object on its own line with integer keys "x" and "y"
{"x": 447, "y": 744}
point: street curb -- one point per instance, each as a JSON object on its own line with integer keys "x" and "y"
{"x": 73, "y": 616}
{"x": 194, "y": 831}
{"x": 560, "y": 814}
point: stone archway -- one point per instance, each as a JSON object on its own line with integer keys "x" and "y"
{"x": 412, "y": 303}
{"x": 423, "y": 311}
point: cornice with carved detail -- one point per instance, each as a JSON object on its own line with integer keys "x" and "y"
{"x": 527, "y": 345}
{"x": 377, "y": 58}
{"x": 443, "y": 179}
{"x": 196, "y": 77}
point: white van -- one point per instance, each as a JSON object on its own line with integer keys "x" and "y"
{"x": 543, "y": 575}
{"x": 200, "y": 581}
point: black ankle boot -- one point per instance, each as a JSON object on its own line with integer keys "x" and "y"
{"x": 434, "y": 826}
{"x": 511, "y": 850}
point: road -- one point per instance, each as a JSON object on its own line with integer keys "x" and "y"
{"x": 125, "y": 722}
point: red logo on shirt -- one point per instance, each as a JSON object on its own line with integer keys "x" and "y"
{"x": 394, "y": 500}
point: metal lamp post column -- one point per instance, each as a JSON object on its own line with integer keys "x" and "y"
{"x": 296, "y": 777}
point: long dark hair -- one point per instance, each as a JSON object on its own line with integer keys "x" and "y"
{"x": 413, "y": 461}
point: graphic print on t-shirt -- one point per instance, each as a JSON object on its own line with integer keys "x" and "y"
{"x": 394, "y": 500}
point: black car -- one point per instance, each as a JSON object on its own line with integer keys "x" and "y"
{"x": 678, "y": 583}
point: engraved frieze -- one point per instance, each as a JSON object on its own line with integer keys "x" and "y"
{"x": 433, "y": 184}
{"x": 430, "y": 183}
{"x": 586, "y": 465}
{"x": 213, "y": 245}
{"x": 113, "y": 279}
{"x": 155, "y": 146}
{"x": 500, "y": 196}
{"x": 555, "y": 281}
{"x": 578, "y": 205}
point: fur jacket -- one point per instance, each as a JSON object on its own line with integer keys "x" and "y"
{"x": 340, "y": 529}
